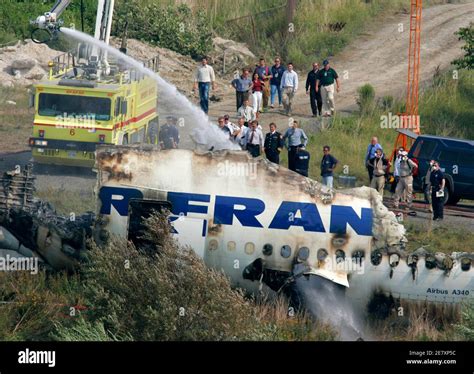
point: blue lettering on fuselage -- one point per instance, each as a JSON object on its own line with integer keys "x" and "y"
{"x": 246, "y": 210}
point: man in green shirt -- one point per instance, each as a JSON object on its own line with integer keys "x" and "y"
{"x": 325, "y": 83}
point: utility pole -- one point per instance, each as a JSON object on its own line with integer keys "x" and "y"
{"x": 290, "y": 10}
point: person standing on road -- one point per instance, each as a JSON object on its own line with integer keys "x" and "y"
{"x": 273, "y": 144}
{"x": 289, "y": 86}
{"x": 379, "y": 166}
{"x": 326, "y": 78}
{"x": 314, "y": 95}
{"x": 242, "y": 86}
{"x": 264, "y": 74}
{"x": 275, "y": 81}
{"x": 370, "y": 154}
{"x": 168, "y": 136}
{"x": 257, "y": 89}
{"x": 254, "y": 140}
{"x": 328, "y": 164}
{"x": 242, "y": 132}
{"x": 296, "y": 138}
{"x": 404, "y": 170}
{"x": 203, "y": 78}
{"x": 438, "y": 183}
{"x": 246, "y": 111}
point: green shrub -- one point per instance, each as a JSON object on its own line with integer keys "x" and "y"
{"x": 366, "y": 98}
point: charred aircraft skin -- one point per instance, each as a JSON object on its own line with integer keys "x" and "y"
{"x": 257, "y": 220}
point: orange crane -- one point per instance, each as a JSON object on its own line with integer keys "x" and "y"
{"x": 410, "y": 119}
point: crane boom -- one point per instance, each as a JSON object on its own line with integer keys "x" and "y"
{"x": 410, "y": 119}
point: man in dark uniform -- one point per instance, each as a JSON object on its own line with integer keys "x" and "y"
{"x": 169, "y": 134}
{"x": 302, "y": 161}
{"x": 438, "y": 182}
{"x": 314, "y": 96}
{"x": 273, "y": 144}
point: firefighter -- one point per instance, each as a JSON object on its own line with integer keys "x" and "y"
{"x": 302, "y": 161}
{"x": 437, "y": 182}
{"x": 169, "y": 134}
{"x": 273, "y": 144}
{"x": 404, "y": 170}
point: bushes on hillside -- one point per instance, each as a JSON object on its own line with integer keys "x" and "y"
{"x": 173, "y": 27}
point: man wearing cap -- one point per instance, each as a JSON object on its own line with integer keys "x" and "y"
{"x": 404, "y": 170}
{"x": 379, "y": 168}
{"x": 296, "y": 139}
{"x": 168, "y": 136}
{"x": 326, "y": 78}
{"x": 302, "y": 158}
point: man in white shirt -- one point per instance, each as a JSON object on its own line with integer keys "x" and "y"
{"x": 246, "y": 111}
{"x": 289, "y": 85}
{"x": 254, "y": 139}
{"x": 203, "y": 78}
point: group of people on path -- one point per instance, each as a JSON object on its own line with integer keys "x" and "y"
{"x": 273, "y": 86}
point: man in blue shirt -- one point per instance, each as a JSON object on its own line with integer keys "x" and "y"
{"x": 277, "y": 72}
{"x": 296, "y": 139}
{"x": 370, "y": 155}
{"x": 328, "y": 164}
{"x": 437, "y": 182}
{"x": 242, "y": 85}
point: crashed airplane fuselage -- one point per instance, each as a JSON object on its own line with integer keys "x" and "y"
{"x": 256, "y": 220}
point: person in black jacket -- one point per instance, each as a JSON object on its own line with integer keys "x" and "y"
{"x": 273, "y": 144}
{"x": 302, "y": 161}
{"x": 314, "y": 97}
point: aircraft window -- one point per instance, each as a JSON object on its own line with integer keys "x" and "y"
{"x": 340, "y": 255}
{"x": 358, "y": 255}
{"x": 322, "y": 254}
{"x": 231, "y": 246}
{"x": 285, "y": 251}
{"x": 249, "y": 248}
{"x": 376, "y": 257}
{"x": 213, "y": 245}
{"x": 465, "y": 264}
{"x": 303, "y": 254}
{"x": 267, "y": 249}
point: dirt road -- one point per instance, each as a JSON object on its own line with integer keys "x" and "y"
{"x": 380, "y": 57}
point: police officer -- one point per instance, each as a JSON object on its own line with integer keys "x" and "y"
{"x": 302, "y": 161}
{"x": 437, "y": 182}
{"x": 273, "y": 144}
{"x": 169, "y": 134}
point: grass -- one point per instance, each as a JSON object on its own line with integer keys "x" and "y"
{"x": 439, "y": 239}
{"x": 66, "y": 201}
{"x": 15, "y": 120}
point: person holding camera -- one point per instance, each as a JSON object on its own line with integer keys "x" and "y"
{"x": 437, "y": 182}
{"x": 404, "y": 170}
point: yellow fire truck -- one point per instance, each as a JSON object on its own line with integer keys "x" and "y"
{"x": 90, "y": 99}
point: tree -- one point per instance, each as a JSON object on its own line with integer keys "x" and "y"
{"x": 467, "y": 61}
